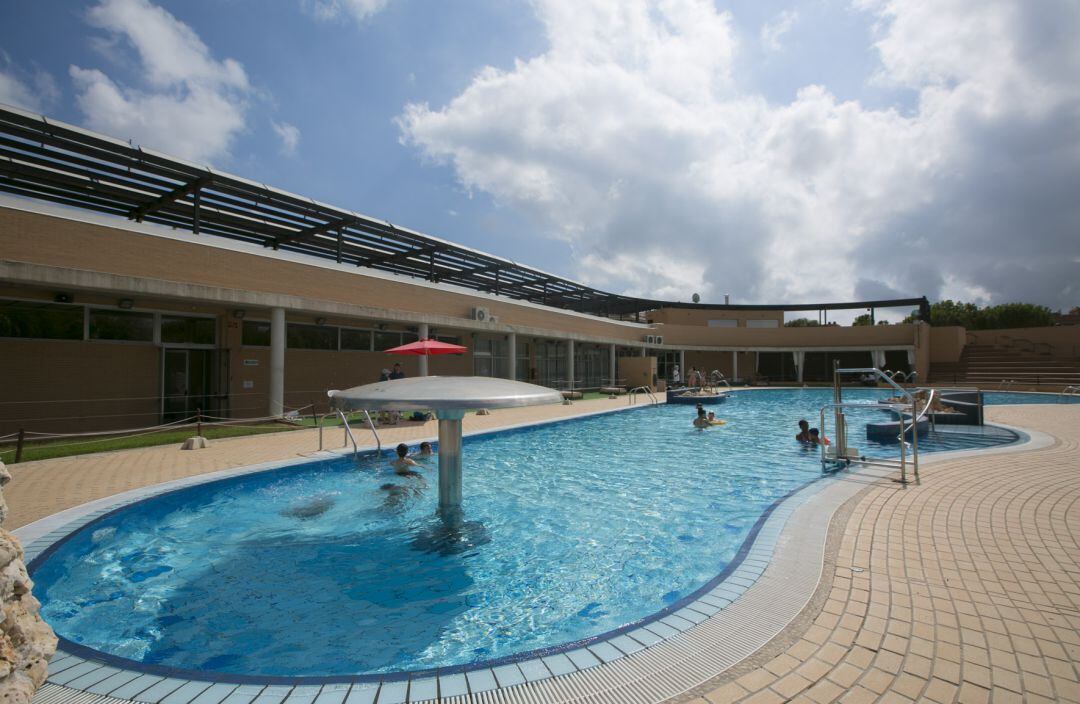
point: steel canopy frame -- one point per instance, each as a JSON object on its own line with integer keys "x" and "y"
{"x": 48, "y": 160}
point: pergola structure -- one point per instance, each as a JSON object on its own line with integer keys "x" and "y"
{"x": 49, "y": 160}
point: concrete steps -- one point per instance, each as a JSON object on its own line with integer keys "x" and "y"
{"x": 986, "y": 366}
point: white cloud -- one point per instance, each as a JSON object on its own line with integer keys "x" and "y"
{"x": 190, "y": 104}
{"x": 774, "y": 30}
{"x": 289, "y": 136}
{"x": 631, "y": 139}
{"x": 357, "y": 10}
{"x": 31, "y": 90}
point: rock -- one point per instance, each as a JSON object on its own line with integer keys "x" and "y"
{"x": 196, "y": 443}
{"x": 26, "y": 641}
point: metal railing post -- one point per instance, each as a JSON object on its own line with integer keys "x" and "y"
{"x": 19, "y": 445}
{"x": 903, "y": 447}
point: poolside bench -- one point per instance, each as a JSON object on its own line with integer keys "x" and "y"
{"x": 618, "y": 390}
{"x": 571, "y": 395}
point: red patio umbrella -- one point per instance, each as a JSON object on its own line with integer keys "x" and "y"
{"x": 428, "y": 347}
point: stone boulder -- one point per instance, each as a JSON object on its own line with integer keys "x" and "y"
{"x": 26, "y": 641}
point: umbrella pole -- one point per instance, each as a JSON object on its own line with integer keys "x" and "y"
{"x": 450, "y": 465}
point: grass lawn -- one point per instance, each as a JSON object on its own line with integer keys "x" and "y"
{"x": 66, "y": 447}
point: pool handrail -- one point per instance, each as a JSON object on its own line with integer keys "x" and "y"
{"x": 348, "y": 430}
{"x": 632, "y": 396}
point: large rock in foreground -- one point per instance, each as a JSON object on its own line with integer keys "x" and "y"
{"x": 26, "y": 641}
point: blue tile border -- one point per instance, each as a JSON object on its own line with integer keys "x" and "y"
{"x": 164, "y": 685}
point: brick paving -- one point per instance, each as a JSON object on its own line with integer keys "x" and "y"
{"x": 964, "y": 588}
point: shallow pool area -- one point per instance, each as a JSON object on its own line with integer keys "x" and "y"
{"x": 339, "y": 567}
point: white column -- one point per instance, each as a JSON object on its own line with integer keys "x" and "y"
{"x": 277, "y": 362}
{"x": 800, "y": 358}
{"x": 642, "y": 351}
{"x": 422, "y": 362}
{"x": 511, "y": 353}
{"x": 570, "y": 364}
{"x": 682, "y": 363}
{"x": 612, "y": 366}
{"x": 734, "y": 364}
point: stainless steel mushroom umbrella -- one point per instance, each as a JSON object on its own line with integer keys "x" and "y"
{"x": 449, "y": 397}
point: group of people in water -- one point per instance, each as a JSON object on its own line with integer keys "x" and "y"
{"x": 810, "y": 436}
{"x": 705, "y": 420}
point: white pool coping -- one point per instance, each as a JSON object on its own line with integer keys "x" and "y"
{"x": 660, "y": 659}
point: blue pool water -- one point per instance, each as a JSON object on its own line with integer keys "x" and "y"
{"x": 575, "y": 529}
{"x": 998, "y": 398}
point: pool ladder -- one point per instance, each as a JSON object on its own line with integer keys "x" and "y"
{"x": 632, "y": 398}
{"x": 348, "y": 431}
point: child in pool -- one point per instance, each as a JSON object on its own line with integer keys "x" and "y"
{"x": 816, "y": 438}
{"x": 713, "y": 420}
{"x": 402, "y": 464}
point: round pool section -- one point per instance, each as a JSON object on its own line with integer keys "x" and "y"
{"x": 340, "y": 568}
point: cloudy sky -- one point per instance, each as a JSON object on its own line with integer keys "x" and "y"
{"x": 772, "y": 150}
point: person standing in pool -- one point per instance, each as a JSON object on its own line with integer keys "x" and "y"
{"x": 702, "y": 421}
{"x": 804, "y": 432}
{"x": 816, "y": 438}
{"x": 403, "y": 462}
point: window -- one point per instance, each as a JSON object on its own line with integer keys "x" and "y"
{"x": 449, "y": 339}
{"x": 355, "y": 339}
{"x": 311, "y": 337}
{"x": 46, "y": 321}
{"x": 185, "y": 330}
{"x": 386, "y": 340}
{"x": 121, "y": 325}
{"x": 256, "y": 334}
{"x": 723, "y": 323}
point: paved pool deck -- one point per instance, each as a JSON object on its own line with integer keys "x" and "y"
{"x": 965, "y": 587}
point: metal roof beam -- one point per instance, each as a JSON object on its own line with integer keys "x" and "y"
{"x": 172, "y": 196}
{"x": 402, "y": 256}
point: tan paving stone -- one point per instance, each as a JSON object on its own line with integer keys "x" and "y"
{"x": 794, "y": 683}
{"x": 731, "y": 691}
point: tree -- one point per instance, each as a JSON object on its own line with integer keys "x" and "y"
{"x": 802, "y": 323}
{"x": 970, "y": 316}
{"x": 861, "y": 320}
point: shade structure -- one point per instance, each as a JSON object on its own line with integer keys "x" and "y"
{"x": 449, "y": 397}
{"x": 428, "y": 347}
{"x": 443, "y": 393}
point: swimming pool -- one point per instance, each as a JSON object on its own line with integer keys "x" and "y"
{"x": 575, "y": 529}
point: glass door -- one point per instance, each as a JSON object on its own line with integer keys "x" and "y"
{"x": 187, "y": 383}
{"x": 174, "y": 385}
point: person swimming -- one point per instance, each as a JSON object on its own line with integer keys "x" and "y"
{"x": 403, "y": 462}
{"x": 425, "y": 449}
{"x": 804, "y": 432}
{"x": 816, "y": 438}
{"x": 702, "y": 420}
{"x": 713, "y": 420}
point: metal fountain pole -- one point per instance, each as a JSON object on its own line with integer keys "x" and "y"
{"x": 450, "y": 464}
